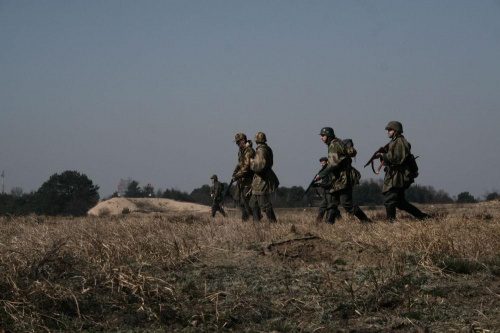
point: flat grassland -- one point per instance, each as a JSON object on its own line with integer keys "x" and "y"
{"x": 187, "y": 272}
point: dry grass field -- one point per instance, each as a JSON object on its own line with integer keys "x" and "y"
{"x": 185, "y": 272}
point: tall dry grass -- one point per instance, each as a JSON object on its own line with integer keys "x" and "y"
{"x": 80, "y": 273}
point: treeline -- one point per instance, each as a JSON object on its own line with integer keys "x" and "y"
{"x": 369, "y": 192}
{"x": 73, "y": 194}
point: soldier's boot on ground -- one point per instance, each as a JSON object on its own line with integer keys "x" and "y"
{"x": 244, "y": 215}
{"x": 320, "y": 216}
{"x": 213, "y": 212}
{"x": 270, "y": 215}
{"x": 391, "y": 213}
{"x": 417, "y": 213}
{"x": 330, "y": 217}
{"x": 256, "y": 215}
{"x": 362, "y": 216}
{"x": 222, "y": 212}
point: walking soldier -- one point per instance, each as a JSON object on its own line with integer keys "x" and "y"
{"x": 399, "y": 175}
{"x": 243, "y": 175}
{"x": 264, "y": 180}
{"x": 344, "y": 178}
{"x": 216, "y": 195}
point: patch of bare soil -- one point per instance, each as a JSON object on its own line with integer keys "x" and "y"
{"x": 117, "y": 206}
{"x": 315, "y": 250}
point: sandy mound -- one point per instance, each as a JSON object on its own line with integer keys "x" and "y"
{"x": 115, "y": 206}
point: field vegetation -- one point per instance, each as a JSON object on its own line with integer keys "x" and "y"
{"x": 190, "y": 273}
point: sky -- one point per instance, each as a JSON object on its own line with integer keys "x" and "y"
{"x": 156, "y": 90}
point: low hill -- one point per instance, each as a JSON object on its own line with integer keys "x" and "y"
{"x": 116, "y": 206}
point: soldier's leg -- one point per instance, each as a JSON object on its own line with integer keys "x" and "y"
{"x": 332, "y": 207}
{"x": 403, "y": 204}
{"x": 345, "y": 196}
{"x": 390, "y": 202}
{"x": 221, "y": 210}
{"x": 254, "y": 202}
{"x": 322, "y": 208}
{"x": 266, "y": 206}
{"x": 214, "y": 209}
{"x": 246, "y": 201}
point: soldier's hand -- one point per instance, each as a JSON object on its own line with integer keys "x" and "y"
{"x": 317, "y": 178}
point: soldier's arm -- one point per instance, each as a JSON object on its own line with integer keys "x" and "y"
{"x": 396, "y": 154}
{"x": 259, "y": 162}
{"x": 218, "y": 190}
{"x": 245, "y": 167}
{"x": 335, "y": 160}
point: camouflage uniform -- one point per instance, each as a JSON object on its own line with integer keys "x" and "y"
{"x": 243, "y": 175}
{"x": 216, "y": 195}
{"x": 325, "y": 184}
{"x": 264, "y": 179}
{"x": 345, "y": 177}
{"x": 397, "y": 175}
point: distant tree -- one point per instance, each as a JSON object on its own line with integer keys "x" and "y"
{"x": 133, "y": 190}
{"x": 123, "y": 185}
{"x": 492, "y": 196}
{"x": 176, "y": 194}
{"x": 202, "y": 195}
{"x": 466, "y": 197}
{"x": 16, "y": 192}
{"x": 368, "y": 192}
{"x": 68, "y": 193}
{"x": 148, "y": 191}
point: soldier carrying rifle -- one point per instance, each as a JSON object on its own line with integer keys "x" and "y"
{"x": 344, "y": 175}
{"x": 243, "y": 175}
{"x": 400, "y": 172}
{"x": 216, "y": 195}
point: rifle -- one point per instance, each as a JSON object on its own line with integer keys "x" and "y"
{"x": 226, "y": 192}
{"x": 314, "y": 184}
{"x": 383, "y": 149}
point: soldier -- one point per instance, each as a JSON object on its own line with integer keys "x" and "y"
{"x": 216, "y": 195}
{"x": 397, "y": 173}
{"x": 344, "y": 178}
{"x": 325, "y": 184}
{"x": 264, "y": 179}
{"x": 243, "y": 175}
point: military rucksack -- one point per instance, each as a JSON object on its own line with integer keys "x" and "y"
{"x": 349, "y": 147}
{"x": 411, "y": 162}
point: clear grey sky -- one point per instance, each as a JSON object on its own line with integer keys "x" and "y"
{"x": 156, "y": 90}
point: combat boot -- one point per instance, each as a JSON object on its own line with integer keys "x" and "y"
{"x": 270, "y": 215}
{"x": 330, "y": 217}
{"x": 362, "y": 216}
{"x": 320, "y": 216}
{"x": 391, "y": 213}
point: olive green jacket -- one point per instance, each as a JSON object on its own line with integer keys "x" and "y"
{"x": 339, "y": 167}
{"x": 397, "y": 173}
{"x": 264, "y": 180}
{"x": 216, "y": 191}
{"x": 242, "y": 172}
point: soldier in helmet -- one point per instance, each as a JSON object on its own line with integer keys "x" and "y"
{"x": 344, "y": 178}
{"x": 264, "y": 180}
{"x": 243, "y": 175}
{"x": 216, "y": 195}
{"x": 397, "y": 174}
{"x": 325, "y": 184}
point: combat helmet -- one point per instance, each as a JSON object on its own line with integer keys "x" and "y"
{"x": 327, "y": 131}
{"x": 323, "y": 159}
{"x": 260, "y": 137}
{"x": 214, "y": 177}
{"x": 395, "y": 126}
{"x": 240, "y": 136}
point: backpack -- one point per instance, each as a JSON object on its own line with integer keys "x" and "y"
{"x": 411, "y": 162}
{"x": 349, "y": 147}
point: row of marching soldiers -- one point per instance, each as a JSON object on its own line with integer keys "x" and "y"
{"x": 256, "y": 180}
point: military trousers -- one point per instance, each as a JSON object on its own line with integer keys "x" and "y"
{"x": 395, "y": 198}
{"x": 262, "y": 202}
{"x": 323, "y": 208}
{"x": 216, "y": 207}
{"x": 243, "y": 198}
{"x": 343, "y": 197}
